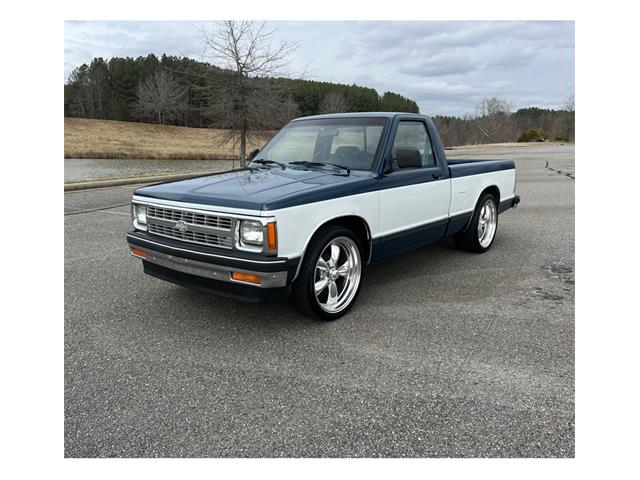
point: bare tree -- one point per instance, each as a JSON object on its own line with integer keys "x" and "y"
{"x": 161, "y": 97}
{"x": 81, "y": 96}
{"x": 333, "y": 102}
{"x": 492, "y": 115}
{"x": 90, "y": 86}
{"x": 570, "y": 103}
{"x": 570, "y": 121}
{"x": 247, "y": 103}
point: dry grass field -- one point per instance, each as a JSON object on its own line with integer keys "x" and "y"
{"x": 87, "y": 138}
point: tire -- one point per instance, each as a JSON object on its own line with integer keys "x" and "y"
{"x": 474, "y": 238}
{"x": 338, "y": 288}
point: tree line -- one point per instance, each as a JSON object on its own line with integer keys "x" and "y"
{"x": 494, "y": 121}
{"x": 186, "y": 92}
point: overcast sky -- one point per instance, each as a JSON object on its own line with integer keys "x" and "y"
{"x": 447, "y": 67}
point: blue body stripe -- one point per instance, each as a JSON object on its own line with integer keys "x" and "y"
{"x": 394, "y": 180}
{"x": 418, "y": 237}
{"x": 408, "y": 240}
{"x": 464, "y": 168}
{"x": 355, "y": 184}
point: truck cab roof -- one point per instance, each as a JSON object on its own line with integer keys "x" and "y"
{"x": 389, "y": 115}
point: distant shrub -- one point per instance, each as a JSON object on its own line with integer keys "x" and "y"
{"x": 534, "y": 135}
{"x": 561, "y": 138}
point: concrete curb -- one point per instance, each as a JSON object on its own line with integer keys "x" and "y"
{"x": 116, "y": 182}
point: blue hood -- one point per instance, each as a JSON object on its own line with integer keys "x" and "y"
{"x": 262, "y": 189}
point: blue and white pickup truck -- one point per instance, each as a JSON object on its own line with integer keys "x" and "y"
{"x": 326, "y": 196}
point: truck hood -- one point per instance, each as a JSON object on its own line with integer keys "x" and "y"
{"x": 262, "y": 189}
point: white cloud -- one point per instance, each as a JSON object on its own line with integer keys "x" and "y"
{"x": 440, "y": 65}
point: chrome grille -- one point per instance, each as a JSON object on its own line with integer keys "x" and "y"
{"x": 189, "y": 236}
{"x": 222, "y": 223}
{"x": 199, "y": 228}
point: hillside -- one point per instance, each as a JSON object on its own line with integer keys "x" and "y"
{"x": 110, "y": 89}
{"x": 88, "y": 138}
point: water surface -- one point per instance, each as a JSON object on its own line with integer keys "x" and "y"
{"x": 78, "y": 169}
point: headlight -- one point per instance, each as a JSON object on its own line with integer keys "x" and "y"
{"x": 251, "y": 232}
{"x": 139, "y": 214}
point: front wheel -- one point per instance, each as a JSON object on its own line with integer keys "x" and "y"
{"x": 479, "y": 235}
{"x": 330, "y": 275}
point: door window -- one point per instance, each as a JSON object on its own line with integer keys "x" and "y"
{"x": 412, "y": 146}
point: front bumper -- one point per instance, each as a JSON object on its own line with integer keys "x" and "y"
{"x": 207, "y": 269}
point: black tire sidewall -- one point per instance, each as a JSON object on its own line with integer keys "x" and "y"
{"x": 305, "y": 280}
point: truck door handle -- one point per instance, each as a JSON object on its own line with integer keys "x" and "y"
{"x": 436, "y": 176}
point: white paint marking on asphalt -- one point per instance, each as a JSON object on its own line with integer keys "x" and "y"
{"x": 128, "y": 214}
{"x": 91, "y": 210}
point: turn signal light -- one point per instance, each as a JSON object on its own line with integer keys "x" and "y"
{"x": 137, "y": 252}
{"x": 246, "y": 277}
{"x": 272, "y": 240}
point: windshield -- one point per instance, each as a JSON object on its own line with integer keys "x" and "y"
{"x": 350, "y": 143}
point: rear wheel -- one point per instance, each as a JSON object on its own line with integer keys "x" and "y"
{"x": 330, "y": 275}
{"x": 479, "y": 235}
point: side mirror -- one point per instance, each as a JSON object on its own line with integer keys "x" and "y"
{"x": 253, "y": 153}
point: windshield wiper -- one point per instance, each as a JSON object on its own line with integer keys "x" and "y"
{"x": 262, "y": 161}
{"x": 321, "y": 164}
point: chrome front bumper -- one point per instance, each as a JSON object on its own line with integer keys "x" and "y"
{"x": 209, "y": 270}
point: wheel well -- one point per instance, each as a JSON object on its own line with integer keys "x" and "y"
{"x": 494, "y": 191}
{"x": 357, "y": 225}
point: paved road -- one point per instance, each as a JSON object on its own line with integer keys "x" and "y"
{"x": 445, "y": 354}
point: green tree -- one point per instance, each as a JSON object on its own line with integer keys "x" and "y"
{"x": 393, "y": 102}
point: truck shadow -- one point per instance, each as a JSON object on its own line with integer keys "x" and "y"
{"x": 404, "y": 267}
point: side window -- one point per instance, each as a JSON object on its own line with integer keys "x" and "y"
{"x": 412, "y": 147}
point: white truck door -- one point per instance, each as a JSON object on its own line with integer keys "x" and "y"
{"x": 414, "y": 198}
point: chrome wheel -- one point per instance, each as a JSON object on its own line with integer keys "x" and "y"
{"x": 487, "y": 223}
{"x": 337, "y": 274}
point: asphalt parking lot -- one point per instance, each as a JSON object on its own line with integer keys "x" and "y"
{"x": 446, "y": 353}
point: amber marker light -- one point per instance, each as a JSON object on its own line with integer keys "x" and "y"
{"x": 246, "y": 277}
{"x": 272, "y": 239}
{"x": 137, "y": 252}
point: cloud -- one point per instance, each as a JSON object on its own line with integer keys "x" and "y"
{"x": 440, "y": 65}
